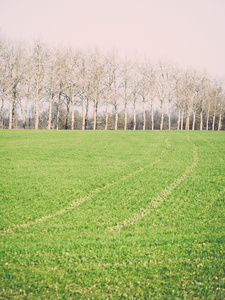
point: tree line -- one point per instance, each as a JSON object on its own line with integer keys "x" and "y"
{"x": 65, "y": 88}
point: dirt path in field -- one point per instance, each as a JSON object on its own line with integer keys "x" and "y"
{"x": 161, "y": 197}
{"x": 83, "y": 199}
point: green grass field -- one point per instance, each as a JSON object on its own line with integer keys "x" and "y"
{"x": 112, "y": 215}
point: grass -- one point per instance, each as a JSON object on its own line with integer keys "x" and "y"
{"x": 97, "y": 215}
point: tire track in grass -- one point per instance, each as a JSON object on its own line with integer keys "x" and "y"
{"x": 161, "y": 196}
{"x": 77, "y": 202}
{"x": 210, "y": 145}
{"x": 211, "y": 204}
{"x": 177, "y": 202}
{"x": 216, "y": 197}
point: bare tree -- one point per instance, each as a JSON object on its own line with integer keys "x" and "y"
{"x": 58, "y": 84}
{"x": 68, "y": 78}
{"x": 13, "y": 77}
{"x": 208, "y": 105}
{"x": 40, "y": 56}
{"x": 171, "y": 85}
{"x": 178, "y": 95}
{"x": 70, "y": 83}
{"x": 152, "y": 91}
{"x": 125, "y": 82}
{"x": 194, "y": 107}
{"x": 108, "y": 82}
{"x": 221, "y": 107}
{"x": 135, "y": 92}
{"x": 88, "y": 97}
{"x": 3, "y": 76}
{"x": 53, "y": 72}
{"x": 97, "y": 74}
{"x": 189, "y": 92}
{"x": 115, "y": 87}
{"x": 162, "y": 88}
{"x": 203, "y": 94}
{"x": 215, "y": 99}
{"x": 144, "y": 88}
{"x": 25, "y": 86}
{"x": 83, "y": 82}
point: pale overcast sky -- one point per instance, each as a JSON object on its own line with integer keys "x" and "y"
{"x": 189, "y": 32}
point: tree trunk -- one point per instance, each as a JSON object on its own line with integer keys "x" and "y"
{"x": 13, "y": 113}
{"x": 116, "y": 116}
{"x": 182, "y": 120}
{"x": 86, "y": 115}
{"x": 95, "y": 115}
{"x": 201, "y": 120}
{"x": 24, "y": 122}
{"x": 220, "y": 122}
{"x": 49, "y": 113}
{"x": 125, "y": 107}
{"x": 107, "y": 109}
{"x": 169, "y": 115}
{"x": 50, "y": 108}
{"x": 162, "y": 117}
{"x": 67, "y": 113}
{"x": 125, "y": 116}
{"x": 178, "y": 120}
{"x": 193, "y": 124}
{"x": 83, "y": 113}
{"x": 57, "y": 118}
{"x": 134, "y": 128}
{"x": 16, "y": 119}
{"x": 106, "y": 115}
{"x": 24, "y": 113}
{"x": 10, "y": 109}
{"x": 2, "y": 112}
{"x": 144, "y": 121}
{"x": 72, "y": 110}
{"x": 36, "y": 107}
{"x": 187, "y": 120}
{"x": 152, "y": 115}
{"x": 207, "y": 120}
{"x": 213, "y": 123}
{"x": 58, "y": 108}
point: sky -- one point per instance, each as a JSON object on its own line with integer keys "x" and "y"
{"x": 190, "y": 33}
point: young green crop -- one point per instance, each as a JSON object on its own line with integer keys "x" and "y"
{"x": 97, "y": 215}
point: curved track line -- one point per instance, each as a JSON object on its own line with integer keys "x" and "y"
{"x": 161, "y": 197}
{"x": 211, "y": 203}
{"x": 83, "y": 199}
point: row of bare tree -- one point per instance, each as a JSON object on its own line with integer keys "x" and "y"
{"x": 90, "y": 85}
